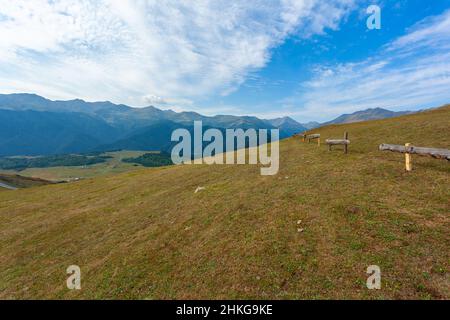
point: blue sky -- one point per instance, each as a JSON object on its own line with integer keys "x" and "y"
{"x": 308, "y": 59}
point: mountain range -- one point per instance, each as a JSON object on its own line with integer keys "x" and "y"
{"x": 33, "y": 125}
{"x": 366, "y": 115}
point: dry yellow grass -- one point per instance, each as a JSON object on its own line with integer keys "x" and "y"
{"x": 146, "y": 234}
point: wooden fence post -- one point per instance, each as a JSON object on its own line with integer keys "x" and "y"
{"x": 318, "y": 142}
{"x": 345, "y": 145}
{"x": 408, "y": 158}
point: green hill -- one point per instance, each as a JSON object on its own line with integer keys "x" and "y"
{"x": 44, "y": 133}
{"x": 147, "y": 234}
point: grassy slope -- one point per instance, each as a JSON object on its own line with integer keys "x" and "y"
{"x": 145, "y": 234}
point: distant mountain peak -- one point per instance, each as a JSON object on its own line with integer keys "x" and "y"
{"x": 365, "y": 115}
{"x": 286, "y": 119}
{"x": 75, "y": 100}
{"x": 283, "y": 120}
{"x": 287, "y": 124}
{"x": 311, "y": 125}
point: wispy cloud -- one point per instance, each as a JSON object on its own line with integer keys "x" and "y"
{"x": 409, "y": 73}
{"x": 138, "y": 52}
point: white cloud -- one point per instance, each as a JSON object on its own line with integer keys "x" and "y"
{"x": 412, "y": 72}
{"x": 127, "y": 51}
{"x": 433, "y": 31}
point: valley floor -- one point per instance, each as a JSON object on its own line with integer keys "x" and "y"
{"x": 111, "y": 166}
{"x": 146, "y": 234}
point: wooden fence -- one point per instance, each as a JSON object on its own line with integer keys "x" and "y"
{"x": 409, "y": 150}
{"x": 335, "y": 142}
{"x": 312, "y": 137}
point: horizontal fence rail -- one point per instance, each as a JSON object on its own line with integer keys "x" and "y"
{"x": 409, "y": 150}
{"x": 335, "y": 142}
{"x": 432, "y": 152}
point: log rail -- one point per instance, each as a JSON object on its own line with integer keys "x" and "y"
{"x": 432, "y": 152}
{"x": 409, "y": 150}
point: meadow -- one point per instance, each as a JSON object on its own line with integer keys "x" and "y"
{"x": 113, "y": 164}
{"x": 309, "y": 232}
